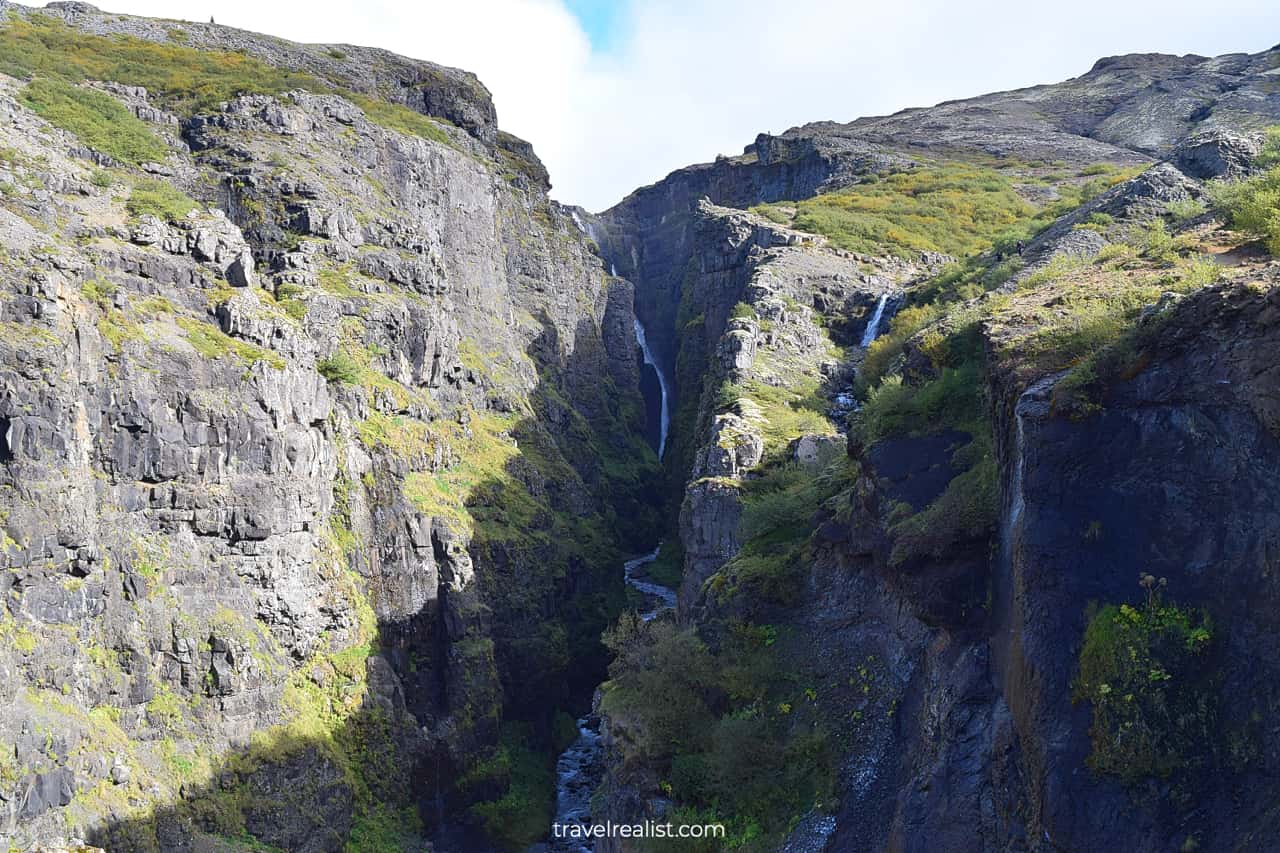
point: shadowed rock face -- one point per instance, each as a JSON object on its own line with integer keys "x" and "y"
{"x": 1176, "y": 473}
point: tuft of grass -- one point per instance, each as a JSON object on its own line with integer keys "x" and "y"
{"x": 99, "y": 120}
{"x": 157, "y": 198}
{"x": 213, "y": 343}
{"x": 400, "y": 118}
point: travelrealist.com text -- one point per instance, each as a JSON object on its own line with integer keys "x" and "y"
{"x": 648, "y": 829}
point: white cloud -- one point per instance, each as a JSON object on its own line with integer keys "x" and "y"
{"x": 688, "y": 79}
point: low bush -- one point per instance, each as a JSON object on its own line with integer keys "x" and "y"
{"x": 340, "y": 368}
{"x": 157, "y": 198}
{"x": 1253, "y": 205}
{"x": 1145, "y": 672}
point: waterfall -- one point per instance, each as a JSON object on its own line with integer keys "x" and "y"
{"x": 874, "y": 326}
{"x": 664, "y": 419}
{"x": 585, "y": 227}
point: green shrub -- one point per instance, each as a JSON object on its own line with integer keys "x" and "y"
{"x": 520, "y": 816}
{"x": 1185, "y": 209}
{"x": 884, "y": 349}
{"x": 724, "y": 730}
{"x": 157, "y": 198}
{"x": 1252, "y": 206}
{"x": 1146, "y": 675}
{"x": 341, "y": 368}
{"x": 1156, "y": 243}
{"x": 99, "y": 120}
{"x": 954, "y": 399}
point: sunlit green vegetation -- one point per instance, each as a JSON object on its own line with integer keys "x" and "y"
{"x": 956, "y": 208}
{"x": 38, "y": 45}
{"x": 99, "y": 120}
{"x": 1253, "y": 205}
{"x": 401, "y": 118}
{"x": 158, "y": 198}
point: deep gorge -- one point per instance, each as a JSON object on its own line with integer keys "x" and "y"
{"x": 335, "y": 455}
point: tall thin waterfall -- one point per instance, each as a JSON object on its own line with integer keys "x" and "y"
{"x": 664, "y": 419}
{"x": 873, "y": 327}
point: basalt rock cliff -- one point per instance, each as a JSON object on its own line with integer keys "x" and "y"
{"x": 323, "y": 438}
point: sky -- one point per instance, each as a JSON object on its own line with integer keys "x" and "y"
{"x": 615, "y": 95}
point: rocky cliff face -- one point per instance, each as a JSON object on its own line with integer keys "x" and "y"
{"x": 312, "y": 434}
{"x": 1039, "y": 462}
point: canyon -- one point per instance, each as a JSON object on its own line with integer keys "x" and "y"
{"x": 905, "y": 484}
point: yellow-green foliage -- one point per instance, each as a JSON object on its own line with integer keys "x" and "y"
{"x": 400, "y": 118}
{"x": 405, "y": 437}
{"x": 212, "y": 342}
{"x": 953, "y": 399}
{"x": 1253, "y": 205}
{"x": 118, "y": 329}
{"x": 354, "y": 364}
{"x": 100, "y": 121}
{"x": 887, "y": 347}
{"x": 340, "y": 367}
{"x": 783, "y": 412}
{"x": 155, "y": 197}
{"x": 338, "y": 281}
{"x": 183, "y": 77}
{"x": 17, "y": 635}
{"x": 1086, "y": 320}
{"x": 1145, "y": 672}
{"x": 478, "y": 489}
{"x": 98, "y": 290}
{"x": 164, "y": 710}
{"x": 955, "y": 208}
{"x": 778, "y": 506}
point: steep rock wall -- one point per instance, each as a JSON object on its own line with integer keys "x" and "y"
{"x": 303, "y": 488}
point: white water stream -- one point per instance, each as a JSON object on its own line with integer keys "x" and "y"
{"x": 664, "y": 418}
{"x": 873, "y": 328}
